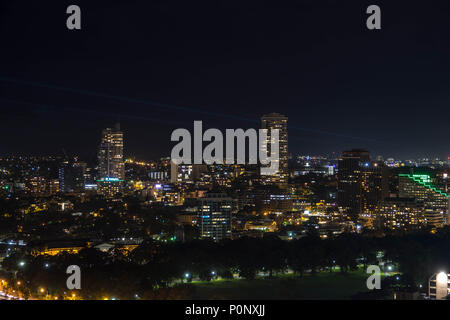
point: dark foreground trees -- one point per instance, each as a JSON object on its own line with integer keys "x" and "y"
{"x": 167, "y": 267}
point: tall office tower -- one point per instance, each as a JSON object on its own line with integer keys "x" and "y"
{"x": 110, "y": 161}
{"x": 71, "y": 176}
{"x": 374, "y": 185}
{"x": 421, "y": 188}
{"x": 349, "y": 195}
{"x": 110, "y": 155}
{"x": 277, "y": 121}
{"x": 214, "y": 217}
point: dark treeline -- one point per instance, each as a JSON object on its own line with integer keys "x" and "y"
{"x": 157, "y": 270}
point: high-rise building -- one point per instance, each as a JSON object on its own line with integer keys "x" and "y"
{"x": 374, "y": 185}
{"x": 362, "y": 185}
{"x": 277, "y": 121}
{"x": 110, "y": 155}
{"x": 214, "y": 217}
{"x": 350, "y": 166}
{"x": 71, "y": 176}
{"x": 110, "y": 160}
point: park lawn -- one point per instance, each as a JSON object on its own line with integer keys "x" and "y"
{"x": 324, "y": 285}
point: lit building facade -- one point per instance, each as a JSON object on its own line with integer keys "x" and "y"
{"x": 374, "y": 186}
{"x": 214, "y": 217}
{"x": 111, "y": 163}
{"x": 350, "y": 167}
{"x": 109, "y": 187}
{"x": 71, "y": 176}
{"x": 277, "y": 121}
{"x": 42, "y": 187}
{"x": 436, "y": 202}
{"x": 186, "y": 172}
{"x": 438, "y": 286}
{"x": 399, "y": 214}
{"x": 110, "y": 155}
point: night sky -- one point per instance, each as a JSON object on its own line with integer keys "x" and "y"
{"x": 160, "y": 65}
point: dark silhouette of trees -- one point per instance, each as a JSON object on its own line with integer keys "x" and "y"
{"x": 157, "y": 269}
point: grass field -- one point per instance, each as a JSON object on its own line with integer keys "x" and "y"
{"x": 323, "y": 285}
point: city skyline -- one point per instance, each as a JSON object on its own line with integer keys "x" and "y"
{"x": 224, "y": 150}
{"x": 92, "y": 155}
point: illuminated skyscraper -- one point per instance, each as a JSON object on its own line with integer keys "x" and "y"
{"x": 110, "y": 155}
{"x": 110, "y": 161}
{"x": 375, "y": 187}
{"x": 278, "y": 121}
{"x": 350, "y": 166}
